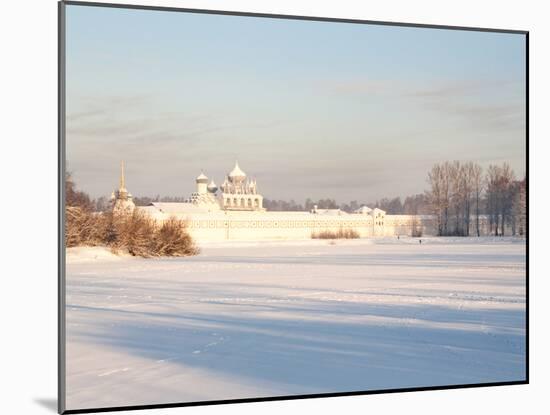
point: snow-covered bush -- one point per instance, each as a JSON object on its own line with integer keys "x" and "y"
{"x": 339, "y": 234}
{"x": 172, "y": 239}
{"x": 135, "y": 233}
{"x": 83, "y": 227}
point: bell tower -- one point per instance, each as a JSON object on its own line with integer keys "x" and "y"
{"x": 121, "y": 198}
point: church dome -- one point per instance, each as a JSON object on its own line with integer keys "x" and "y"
{"x": 237, "y": 174}
{"x": 202, "y": 178}
{"x": 212, "y": 187}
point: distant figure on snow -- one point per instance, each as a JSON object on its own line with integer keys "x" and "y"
{"x": 420, "y": 241}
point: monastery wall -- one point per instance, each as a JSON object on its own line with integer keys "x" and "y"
{"x": 259, "y": 226}
{"x": 227, "y": 225}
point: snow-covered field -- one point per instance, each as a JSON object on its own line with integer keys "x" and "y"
{"x": 245, "y": 320}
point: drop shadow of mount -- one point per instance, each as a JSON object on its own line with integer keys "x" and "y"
{"x": 48, "y": 403}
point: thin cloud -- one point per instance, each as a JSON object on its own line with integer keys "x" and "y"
{"x": 456, "y": 88}
{"x": 463, "y": 100}
{"x": 362, "y": 87}
{"x": 493, "y": 117}
{"x": 451, "y": 88}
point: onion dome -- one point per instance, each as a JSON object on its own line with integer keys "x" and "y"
{"x": 364, "y": 210}
{"x": 202, "y": 178}
{"x": 212, "y": 187}
{"x": 237, "y": 175}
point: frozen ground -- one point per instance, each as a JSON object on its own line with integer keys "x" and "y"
{"x": 263, "y": 319}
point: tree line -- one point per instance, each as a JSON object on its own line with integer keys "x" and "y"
{"x": 461, "y": 195}
{"x": 412, "y": 205}
{"x": 103, "y": 203}
{"x": 460, "y": 192}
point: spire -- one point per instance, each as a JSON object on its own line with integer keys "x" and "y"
{"x": 122, "y": 200}
{"x": 122, "y": 184}
{"x": 237, "y": 172}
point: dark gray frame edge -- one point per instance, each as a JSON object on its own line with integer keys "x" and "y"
{"x": 61, "y": 212}
{"x": 290, "y": 17}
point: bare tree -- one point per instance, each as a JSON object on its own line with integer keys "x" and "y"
{"x": 469, "y": 193}
{"x": 500, "y": 196}
{"x": 477, "y": 189}
{"x": 435, "y": 195}
{"x": 492, "y": 177}
{"x": 456, "y": 194}
{"x": 417, "y": 205}
{"x": 506, "y": 194}
{"x": 455, "y": 190}
{"x": 74, "y": 197}
{"x": 520, "y": 207}
{"x": 450, "y": 196}
{"x": 446, "y": 175}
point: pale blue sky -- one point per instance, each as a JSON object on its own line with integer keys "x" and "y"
{"x": 311, "y": 109}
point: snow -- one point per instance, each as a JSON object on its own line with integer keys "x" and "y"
{"x": 91, "y": 254}
{"x": 245, "y": 319}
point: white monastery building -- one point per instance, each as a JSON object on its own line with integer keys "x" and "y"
{"x": 235, "y": 211}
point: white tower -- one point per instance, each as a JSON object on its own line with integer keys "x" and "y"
{"x": 205, "y": 196}
{"x": 202, "y": 183}
{"x": 121, "y": 198}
